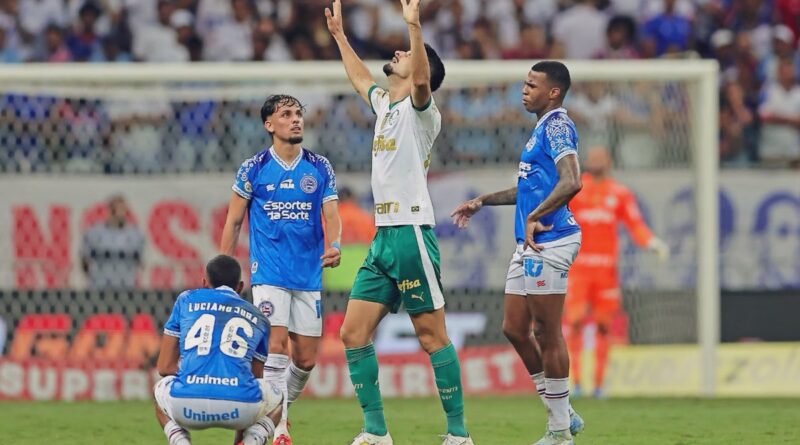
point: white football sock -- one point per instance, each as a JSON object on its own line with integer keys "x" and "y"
{"x": 557, "y": 394}
{"x": 176, "y": 434}
{"x": 260, "y": 432}
{"x": 538, "y": 381}
{"x": 275, "y": 372}
{"x": 295, "y": 381}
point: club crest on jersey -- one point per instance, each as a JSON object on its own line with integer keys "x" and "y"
{"x": 266, "y": 308}
{"x": 254, "y": 267}
{"x": 390, "y": 118}
{"x": 308, "y": 184}
{"x": 248, "y": 187}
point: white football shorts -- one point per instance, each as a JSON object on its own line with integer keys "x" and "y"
{"x": 300, "y": 311}
{"x": 545, "y": 272}
{"x": 198, "y": 414}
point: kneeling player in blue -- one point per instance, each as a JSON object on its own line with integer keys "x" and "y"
{"x": 212, "y": 360}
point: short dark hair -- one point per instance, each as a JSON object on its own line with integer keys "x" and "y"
{"x": 625, "y": 23}
{"x": 557, "y": 74}
{"x": 276, "y": 101}
{"x": 437, "y": 67}
{"x": 224, "y": 270}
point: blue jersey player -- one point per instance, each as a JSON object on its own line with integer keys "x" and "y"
{"x": 548, "y": 240}
{"x": 286, "y": 191}
{"x": 212, "y": 360}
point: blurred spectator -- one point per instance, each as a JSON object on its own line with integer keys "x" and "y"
{"x": 594, "y": 110}
{"x": 158, "y": 42}
{"x": 668, "y": 32}
{"x": 55, "y": 49}
{"x": 233, "y": 39}
{"x": 579, "y": 32}
{"x": 620, "y": 39}
{"x": 532, "y": 44}
{"x": 84, "y": 43}
{"x": 268, "y": 44}
{"x": 483, "y": 34}
{"x": 111, "y": 252}
{"x": 783, "y": 48}
{"x": 35, "y": 16}
{"x": 789, "y": 13}
{"x": 358, "y": 225}
{"x": 8, "y": 53}
{"x": 780, "y": 114}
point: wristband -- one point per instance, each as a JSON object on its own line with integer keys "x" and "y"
{"x": 336, "y": 246}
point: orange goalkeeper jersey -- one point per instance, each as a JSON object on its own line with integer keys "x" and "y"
{"x": 598, "y": 208}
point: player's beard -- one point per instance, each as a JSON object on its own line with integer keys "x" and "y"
{"x": 388, "y": 70}
{"x": 295, "y": 139}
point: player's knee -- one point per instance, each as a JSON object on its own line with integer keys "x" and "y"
{"x": 353, "y": 337}
{"x": 306, "y": 363}
{"x": 516, "y": 334}
{"x": 431, "y": 343}
{"x": 602, "y": 328}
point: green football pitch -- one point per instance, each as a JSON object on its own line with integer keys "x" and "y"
{"x": 491, "y": 420}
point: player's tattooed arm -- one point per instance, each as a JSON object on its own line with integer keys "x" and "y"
{"x": 464, "y": 212}
{"x": 502, "y": 198}
{"x": 168, "y": 356}
{"x": 568, "y": 185}
{"x": 357, "y": 71}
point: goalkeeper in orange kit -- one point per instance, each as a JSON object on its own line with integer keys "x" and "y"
{"x": 593, "y": 291}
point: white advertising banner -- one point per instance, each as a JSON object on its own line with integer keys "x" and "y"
{"x": 43, "y": 222}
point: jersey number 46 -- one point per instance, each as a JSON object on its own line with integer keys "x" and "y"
{"x": 231, "y": 344}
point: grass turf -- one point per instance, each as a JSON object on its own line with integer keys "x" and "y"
{"x": 491, "y": 421}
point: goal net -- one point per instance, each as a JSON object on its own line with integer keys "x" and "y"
{"x": 169, "y": 138}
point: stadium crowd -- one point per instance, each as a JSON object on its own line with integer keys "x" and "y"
{"x": 755, "y": 42}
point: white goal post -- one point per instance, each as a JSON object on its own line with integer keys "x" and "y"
{"x": 700, "y": 77}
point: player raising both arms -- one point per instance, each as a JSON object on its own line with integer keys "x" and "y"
{"x": 548, "y": 239}
{"x": 212, "y": 360}
{"x": 402, "y": 266}
{"x": 286, "y": 190}
{"x": 593, "y": 290}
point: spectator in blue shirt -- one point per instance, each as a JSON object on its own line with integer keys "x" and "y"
{"x": 666, "y": 33}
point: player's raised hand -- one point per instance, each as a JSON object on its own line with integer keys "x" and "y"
{"x": 332, "y": 257}
{"x": 410, "y": 11}
{"x": 532, "y": 227}
{"x": 464, "y": 212}
{"x": 334, "y": 19}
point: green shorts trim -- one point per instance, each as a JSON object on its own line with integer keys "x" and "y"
{"x": 402, "y": 267}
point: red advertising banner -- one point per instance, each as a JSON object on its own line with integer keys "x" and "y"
{"x": 485, "y": 370}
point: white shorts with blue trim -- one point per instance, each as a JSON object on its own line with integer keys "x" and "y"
{"x": 545, "y": 272}
{"x": 300, "y": 311}
{"x": 198, "y": 414}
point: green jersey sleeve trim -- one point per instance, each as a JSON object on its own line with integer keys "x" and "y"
{"x": 424, "y": 107}
{"x": 369, "y": 97}
{"x": 394, "y": 104}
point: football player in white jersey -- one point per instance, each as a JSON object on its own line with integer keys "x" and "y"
{"x": 403, "y": 263}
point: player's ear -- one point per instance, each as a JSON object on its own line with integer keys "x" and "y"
{"x": 205, "y": 283}
{"x": 239, "y": 287}
{"x": 268, "y": 126}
